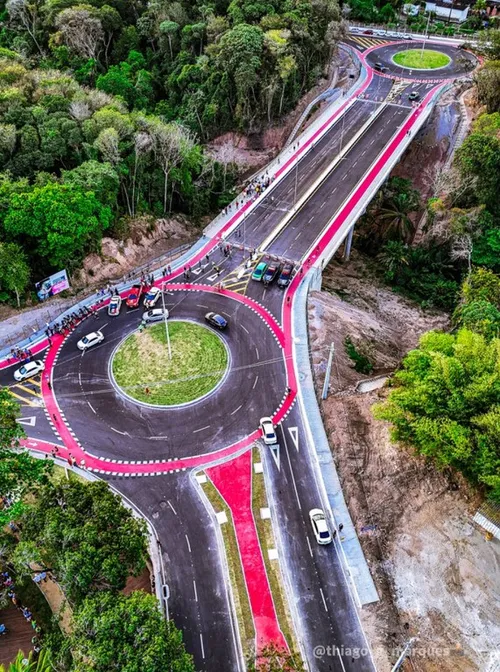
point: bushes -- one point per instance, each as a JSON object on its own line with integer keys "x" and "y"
{"x": 446, "y": 404}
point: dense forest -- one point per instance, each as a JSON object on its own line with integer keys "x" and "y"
{"x": 104, "y": 106}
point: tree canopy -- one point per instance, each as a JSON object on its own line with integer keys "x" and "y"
{"x": 446, "y": 404}
{"x": 83, "y": 531}
{"x": 126, "y": 633}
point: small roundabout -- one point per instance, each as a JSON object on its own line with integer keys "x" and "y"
{"x": 421, "y": 59}
{"x": 430, "y": 62}
{"x": 145, "y": 370}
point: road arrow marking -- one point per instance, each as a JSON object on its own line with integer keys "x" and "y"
{"x": 29, "y": 422}
{"x": 294, "y": 433}
{"x": 275, "y": 452}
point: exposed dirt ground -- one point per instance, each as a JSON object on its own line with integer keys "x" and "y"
{"x": 437, "y": 577}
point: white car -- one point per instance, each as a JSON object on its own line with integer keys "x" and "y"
{"x": 152, "y": 297}
{"x": 90, "y": 340}
{"x": 155, "y": 315}
{"x": 29, "y": 370}
{"x": 320, "y": 527}
{"x": 268, "y": 431}
{"x": 114, "y": 305}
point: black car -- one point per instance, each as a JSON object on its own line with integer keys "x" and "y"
{"x": 271, "y": 272}
{"x": 379, "y": 67}
{"x": 286, "y": 276}
{"x": 216, "y": 320}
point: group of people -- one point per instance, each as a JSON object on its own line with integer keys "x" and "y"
{"x": 7, "y": 582}
{"x": 21, "y": 355}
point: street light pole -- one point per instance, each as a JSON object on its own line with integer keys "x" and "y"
{"x": 166, "y": 320}
{"x": 425, "y": 36}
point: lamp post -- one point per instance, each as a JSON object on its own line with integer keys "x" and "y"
{"x": 165, "y": 318}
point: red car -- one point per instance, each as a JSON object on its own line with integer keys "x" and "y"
{"x": 134, "y": 296}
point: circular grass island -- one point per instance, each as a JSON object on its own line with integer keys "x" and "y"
{"x": 143, "y": 370}
{"x": 418, "y": 60}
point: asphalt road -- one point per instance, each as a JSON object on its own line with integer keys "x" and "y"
{"x": 280, "y": 199}
{"x": 199, "y": 601}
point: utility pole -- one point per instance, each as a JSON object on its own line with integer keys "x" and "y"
{"x": 165, "y": 317}
{"x": 425, "y": 36}
{"x": 326, "y": 384}
{"x": 404, "y": 654}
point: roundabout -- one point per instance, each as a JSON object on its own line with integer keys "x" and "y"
{"x": 418, "y": 59}
{"x": 437, "y": 64}
{"x": 142, "y": 369}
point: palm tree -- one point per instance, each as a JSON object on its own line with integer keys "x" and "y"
{"x": 394, "y": 257}
{"x": 23, "y": 664}
{"x": 395, "y": 215}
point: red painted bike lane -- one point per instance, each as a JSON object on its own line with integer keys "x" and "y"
{"x": 233, "y": 481}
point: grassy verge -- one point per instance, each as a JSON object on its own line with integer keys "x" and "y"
{"x": 240, "y": 595}
{"x": 267, "y": 540}
{"x": 428, "y": 60}
{"x": 143, "y": 368}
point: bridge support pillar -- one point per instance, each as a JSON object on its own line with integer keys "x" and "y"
{"x": 348, "y": 244}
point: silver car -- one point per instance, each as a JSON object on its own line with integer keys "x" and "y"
{"x": 155, "y": 315}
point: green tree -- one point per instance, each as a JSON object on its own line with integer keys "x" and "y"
{"x": 100, "y": 178}
{"x": 24, "y": 663}
{"x": 489, "y": 43}
{"x": 59, "y": 222}
{"x": 488, "y": 85}
{"x": 85, "y": 533}
{"x": 482, "y": 285}
{"x": 14, "y": 270}
{"x": 482, "y": 317}
{"x": 446, "y": 404}
{"x": 479, "y": 157}
{"x": 126, "y": 633}
{"x": 19, "y": 472}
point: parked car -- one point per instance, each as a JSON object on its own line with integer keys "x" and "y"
{"x": 414, "y": 95}
{"x": 155, "y": 315}
{"x": 367, "y": 32}
{"x": 29, "y": 370}
{"x": 134, "y": 296}
{"x": 271, "y": 272}
{"x": 152, "y": 296}
{"x": 114, "y": 305}
{"x": 259, "y": 271}
{"x": 216, "y": 320}
{"x": 90, "y": 340}
{"x": 285, "y": 276}
{"x": 320, "y": 527}
{"x": 268, "y": 431}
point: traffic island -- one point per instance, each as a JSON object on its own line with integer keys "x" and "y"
{"x": 418, "y": 59}
{"x": 143, "y": 370}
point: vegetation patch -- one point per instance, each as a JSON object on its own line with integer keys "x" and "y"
{"x": 236, "y": 576}
{"x": 143, "y": 369}
{"x": 362, "y": 363}
{"x": 428, "y": 59}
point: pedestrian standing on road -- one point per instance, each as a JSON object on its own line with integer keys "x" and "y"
{"x": 288, "y": 299}
{"x": 169, "y": 270}
{"x": 82, "y": 463}
{"x": 334, "y": 534}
